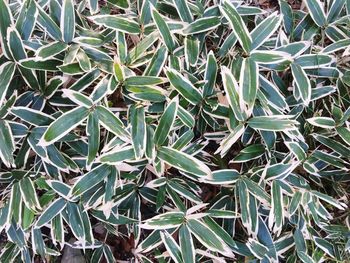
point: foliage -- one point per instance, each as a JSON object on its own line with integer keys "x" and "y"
{"x": 194, "y": 131}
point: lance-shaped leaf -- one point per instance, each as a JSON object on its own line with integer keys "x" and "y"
{"x": 138, "y": 130}
{"x": 225, "y": 176}
{"x": 27, "y": 19}
{"x": 111, "y": 122}
{"x": 186, "y": 245}
{"x": 118, "y": 155}
{"x": 273, "y": 123}
{"x": 184, "y": 87}
{"x": 93, "y": 132}
{"x": 118, "y": 23}
{"x": 265, "y": 29}
{"x": 78, "y": 97}
{"x": 211, "y": 69}
{"x": 166, "y": 122}
{"x": 171, "y": 246}
{"x": 276, "y": 213}
{"x": 50, "y": 212}
{"x": 7, "y": 144}
{"x": 34, "y": 117}
{"x": 183, "y": 10}
{"x": 232, "y": 92}
{"x": 313, "y": 61}
{"x": 344, "y": 133}
{"x": 67, "y": 20}
{"x": 202, "y": 25}
{"x": 323, "y": 122}
{"x": 75, "y": 220}
{"x": 183, "y": 161}
{"x": 164, "y": 221}
{"x": 46, "y": 22}
{"x": 237, "y": 24}
{"x": 29, "y": 195}
{"x": 6, "y": 73}
{"x": 167, "y": 36}
{"x": 249, "y": 82}
{"x": 302, "y": 83}
{"x": 63, "y": 125}
{"x": 315, "y": 8}
{"x": 89, "y": 180}
{"x": 208, "y": 238}
{"x": 5, "y": 22}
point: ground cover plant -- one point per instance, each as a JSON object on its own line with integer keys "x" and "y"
{"x": 174, "y": 130}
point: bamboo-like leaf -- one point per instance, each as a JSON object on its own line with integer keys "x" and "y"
{"x": 237, "y": 25}
{"x": 67, "y": 20}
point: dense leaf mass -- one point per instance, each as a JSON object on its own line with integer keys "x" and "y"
{"x": 175, "y": 130}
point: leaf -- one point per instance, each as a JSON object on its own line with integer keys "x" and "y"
{"x": 111, "y": 122}
{"x": 186, "y": 245}
{"x": 121, "y": 24}
{"x": 183, "y": 10}
{"x": 166, "y": 122}
{"x": 232, "y": 91}
{"x": 344, "y": 133}
{"x": 28, "y": 193}
{"x": 93, "y": 132}
{"x": 172, "y": 247}
{"x": 273, "y": 123}
{"x": 164, "y": 221}
{"x": 225, "y": 176}
{"x": 5, "y": 21}
{"x": 90, "y": 179}
{"x": 7, "y": 71}
{"x": 184, "y": 87}
{"x": 63, "y": 125}
{"x": 118, "y": 155}
{"x": 237, "y": 24}
{"x": 183, "y": 161}
{"x": 67, "y": 20}
{"x": 138, "y": 130}
{"x": 207, "y": 237}
{"x": 265, "y": 29}
{"x": 50, "y": 212}
{"x": 7, "y": 144}
{"x": 315, "y": 8}
{"x": 202, "y": 25}
{"x": 167, "y": 36}
{"x": 323, "y": 122}
{"x": 249, "y": 82}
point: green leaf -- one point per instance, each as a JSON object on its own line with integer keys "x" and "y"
{"x": 249, "y": 153}
{"x": 138, "y": 130}
{"x": 93, "y": 132}
{"x": 232, "y": 91}
{"x": 164, "y": 221}
{"x": 183, "y": 10}
{"x": 166, "y": 122}
{"x": 7, "y": 71}
{"x": 6, "y": 21}
{"x": 249, "y": 82}
{"x": 118, "y": 23}
{"x": 315, "y": 8}
{"x": 344, "y": 133}
{"x": 208, "y": 238}
{"x": 202, "y": 25}
{"x": 273, "y": 123}
{"x": 63, "y": 125}
{"x": 28, "y": 193}
{"x": 186, "y": 245}
{"x": 111, "y": 122}
{"x": 265, "y": 29}
{"x": 223, "y": 177}
{"x": 167, "y": 36}
{"x": 323, "y": 122}
{"x": 46, "y": 22}
{"x": 183, "y": 161}
{"x": 67, "y": 20}
{"x": 50, "y": 212}
{"x": 237, "y": 24}
{"x": 184, "y": 87}
{"x": 172, "y": 247}
{"x": 90, "y": 179}
{"x": 7, "y": 144}
{"x": 302, "y": 83}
